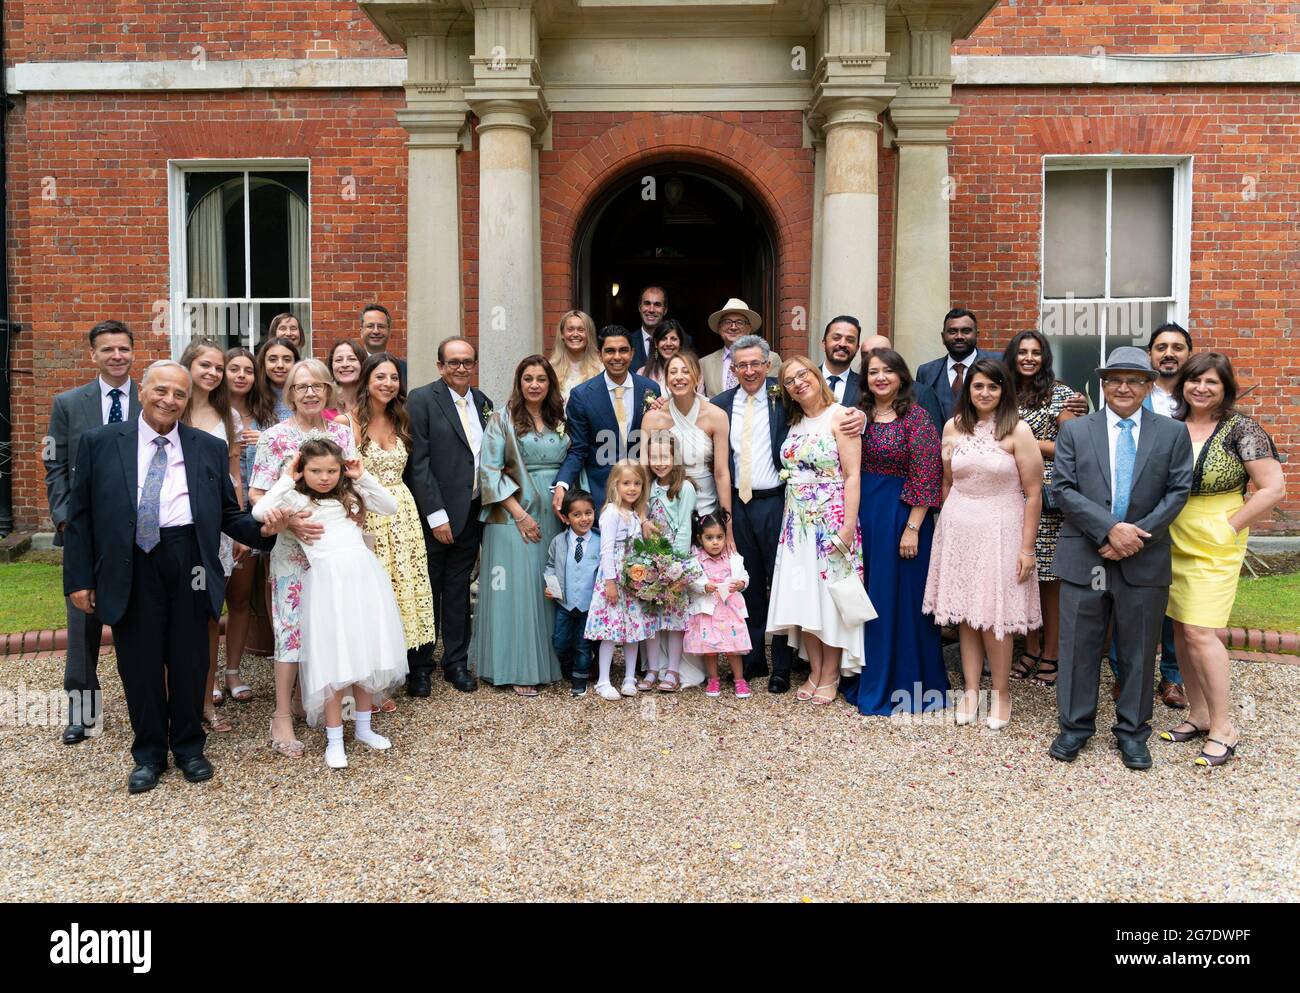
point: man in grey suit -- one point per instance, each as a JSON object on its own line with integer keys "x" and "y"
{"x": 1121, "y": 476}
{"x": 110, "y": 398}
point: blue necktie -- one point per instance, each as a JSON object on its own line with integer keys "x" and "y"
{"x": 146, "y": 518}
{"x": 1125, "y": 456}
{"x": 577, "y": 551}
{"x": 115, "y": 411}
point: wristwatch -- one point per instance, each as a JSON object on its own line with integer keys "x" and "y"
{"x": 913, "y": 527}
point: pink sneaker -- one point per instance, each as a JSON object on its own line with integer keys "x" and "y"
{"x": 742, "y": 690}
{"x": 713, "y": 689}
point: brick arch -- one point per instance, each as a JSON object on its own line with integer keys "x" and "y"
{"x": 778, "y": 177}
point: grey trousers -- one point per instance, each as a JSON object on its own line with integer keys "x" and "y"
{"x": 1139, "y": 613}
{"x": 81, "y": 670}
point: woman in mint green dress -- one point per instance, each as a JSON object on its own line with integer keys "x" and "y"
{"x": 523, "y": 448}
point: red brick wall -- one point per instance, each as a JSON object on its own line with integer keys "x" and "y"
{"x": 1245, "y": 252}
{"x": 1075, "y": 27}
{"x": 100, "y": 248}
{"x": 147, "y": 30}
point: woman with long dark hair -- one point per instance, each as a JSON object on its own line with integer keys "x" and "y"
{"x": 523, "y": 447}
{"x": 345, "y": 360}
{"x": 1042, "y": 402}
{"x": 271, "y": 365}
{"x": 982, "y": 562}
{"x": 242, "y": 581}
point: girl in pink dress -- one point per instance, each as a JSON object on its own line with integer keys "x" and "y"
{"x": 717, "y": 623}
{"x": 982, "y": 561}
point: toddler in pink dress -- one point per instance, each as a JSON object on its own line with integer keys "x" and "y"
{"x": 717, "y": 622}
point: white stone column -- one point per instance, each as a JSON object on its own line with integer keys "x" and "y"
{"x": 507, "y": 283}
{"x": 434, "y": 305}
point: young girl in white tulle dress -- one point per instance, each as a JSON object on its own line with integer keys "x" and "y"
{"x": 352, "y": 638}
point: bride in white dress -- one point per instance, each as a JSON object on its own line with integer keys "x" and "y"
{"x": 703, "y": 432}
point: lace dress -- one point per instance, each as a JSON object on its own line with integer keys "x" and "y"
{"x": 399, "y": 544}
{"x": 806, "y": 560}
{"x": 972, "y": 578}
{"x": 1042, "y": 421}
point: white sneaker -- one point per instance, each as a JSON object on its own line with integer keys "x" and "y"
{"x": 629, "y": 687}
{"x": 375, "y": 741}
{"x": 335, "y": 756}
{"x": 606, "y": 691}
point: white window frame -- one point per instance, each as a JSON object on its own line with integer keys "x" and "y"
{"x": 1181, "y": 240}
{"x": 178, "y": 243}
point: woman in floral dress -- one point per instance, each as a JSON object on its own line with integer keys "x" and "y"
{"x": 821, "y": 504}
{"x": 308, "y": 390}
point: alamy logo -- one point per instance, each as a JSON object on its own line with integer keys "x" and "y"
{"x": 78, "y": 947}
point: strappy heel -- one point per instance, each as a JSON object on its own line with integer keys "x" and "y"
{"x": 1174, "y": 735}
{"x": 1042, "y": 670}
{"x": 1211, "y": 761}
{"x": 1024, "y": 670}
{"x": 289, "y": 747}
{"x": 820, "y": 701}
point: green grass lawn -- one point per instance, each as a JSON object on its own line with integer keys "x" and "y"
{"x": 1271, "y": 603}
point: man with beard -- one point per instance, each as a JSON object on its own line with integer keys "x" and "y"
{"x": 839, "y": 345}
{"x": 946, "y": 376}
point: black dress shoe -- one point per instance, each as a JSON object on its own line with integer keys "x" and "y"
{"x": 418, "y": 684}
{"x": 460, "y": 678}
{"x": 196, "y": 768}
{"x": 779, "y": 683}
{"x": 143, "y": 778}
{"x": 74, "y": 734}
{"x": 1066, "y": 747}
{"x": 1134, "y": 754}
{"x": 757, "y": 672}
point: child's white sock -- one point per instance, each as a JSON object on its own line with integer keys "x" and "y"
{"x": 366, "y": 736}
{"x": 629, "y": 658}
{"x": 335, "y": 756}
{"x": 606, "y": 659}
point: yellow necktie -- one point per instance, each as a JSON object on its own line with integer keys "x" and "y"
{"x": 620, "y": 414}
{"x": 746, "y": 486}
{"x": 463, "y": 405}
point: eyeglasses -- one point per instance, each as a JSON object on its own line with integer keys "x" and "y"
{"x": 1132, "y": 382}
{"x": 798, "y": 377}
{"x": 304, "y": 388}
{"x": 734, "y": 322}
{"x": 748, "y": 366}
{"x": 375, "y": 327}
{"x": 460, "y": 363}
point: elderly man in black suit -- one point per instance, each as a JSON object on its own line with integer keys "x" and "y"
{"x": 150, "y": 499}
{"x": 109, "y": 398}
{"x": 447, "y": 418}
{"x": 1121, "y": 476}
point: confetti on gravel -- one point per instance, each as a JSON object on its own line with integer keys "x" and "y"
{"x": 491, "y": 797}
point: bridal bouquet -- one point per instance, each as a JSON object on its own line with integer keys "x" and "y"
{"x": 653, "y": 573}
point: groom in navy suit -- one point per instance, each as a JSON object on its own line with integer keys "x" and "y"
{"x": 604, "y": 416}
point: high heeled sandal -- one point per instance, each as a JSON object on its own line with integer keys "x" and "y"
{"x": 820, "y": 701}
{"x": 240, "y": 693}
{"x": 802, "y": 695}
{"x": 289, "y": 747}
{"x": 1174, "y": 735}
{"x": 1043, "y": 670}
{"x": 1211, "y": 761}
{"x": 1023, "y": 669}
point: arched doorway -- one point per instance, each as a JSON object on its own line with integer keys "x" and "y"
{"x": 684, "y": 227}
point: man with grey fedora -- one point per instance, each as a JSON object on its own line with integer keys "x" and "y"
{"x": 1121, "y": 476}
{"x": 733, "y": 321}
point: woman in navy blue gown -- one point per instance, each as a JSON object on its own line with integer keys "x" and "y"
{"x": 902, "y": 478}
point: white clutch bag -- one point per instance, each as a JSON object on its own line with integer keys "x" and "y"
{"x": 850, "y": 596}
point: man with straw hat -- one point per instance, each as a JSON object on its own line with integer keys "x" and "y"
{"x": 731, "y": 322}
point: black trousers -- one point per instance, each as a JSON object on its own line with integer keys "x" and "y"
{"x": 81, "y": 670}
{"x": 162, "y": 649}
{"x": 450, "y": 569}
{"x": 757, "y": 527}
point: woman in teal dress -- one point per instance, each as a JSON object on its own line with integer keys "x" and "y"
{"x": 523, "y": 448}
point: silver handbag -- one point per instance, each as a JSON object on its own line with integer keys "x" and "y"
{"x": 849, "y": 594}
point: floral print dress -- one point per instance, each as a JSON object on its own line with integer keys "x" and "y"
{"x": 277, "y": 445}
{"x": 627, "y": 619}
{"x": 807, "y": 562}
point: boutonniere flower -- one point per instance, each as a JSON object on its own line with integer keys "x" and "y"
{"x": 784, "y": 474}
{"x": 648, "y": 400}
{"x": 487, "y": 411}
{"x": 560, "y": 429}
{"x": 774, "y": 391}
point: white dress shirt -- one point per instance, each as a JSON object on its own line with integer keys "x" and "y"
{"x": 837, "y": 388}
{"x": 1112, "y": 437}
{"x": 1162, "y": 402}
{"x": 764, "y": 472}
{"x": 966, "y": 363}
{"x": 474, "y": 435}
{"x": 174, "y": 501}
{"x": 106, "y": 401}
{"x": 629, "y": 387}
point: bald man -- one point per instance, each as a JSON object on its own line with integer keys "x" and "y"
{"x": 924, "y": 395}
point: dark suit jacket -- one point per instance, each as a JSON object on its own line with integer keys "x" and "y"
{"x": 1081, "y": 484}
{"x": 442, "y": 463}
{"x": 639, "y": 353}
{"x": 778, "y": 425}
{"x": 934, "y": 374}
{"x": 100, "y": 536}
{"x": 852, "y": 389}
{"x": 592, "y": 426}
{"x": 73, "y": 413}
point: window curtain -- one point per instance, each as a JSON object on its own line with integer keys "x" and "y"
{"x": 299, "y": 249}
{"x": 206, "y": 254}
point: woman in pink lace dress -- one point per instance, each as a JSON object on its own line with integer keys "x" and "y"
{"x": 982, "y": 562}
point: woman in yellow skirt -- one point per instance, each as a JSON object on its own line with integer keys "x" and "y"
{"x": 1231, "y": 451}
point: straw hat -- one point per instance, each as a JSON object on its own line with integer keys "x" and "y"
{"x": 736, "y": 306}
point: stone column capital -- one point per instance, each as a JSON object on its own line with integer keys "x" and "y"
{"x": 522, "y": 108}
{"x": 922, "y": 120}
{"x": 433, "y": 128}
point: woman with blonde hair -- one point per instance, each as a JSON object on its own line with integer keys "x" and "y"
{"x": 575, "y": 358}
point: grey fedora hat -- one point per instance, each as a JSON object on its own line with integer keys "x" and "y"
{"x": 1128, "y": 358}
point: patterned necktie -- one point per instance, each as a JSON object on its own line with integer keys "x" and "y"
{"x": 1125, "y": 456}
{"x": 620, "y": 414}
{"x": 577, "y": 551}
{"x": 729, "y": 380}
{"x": 115, "y": 411}
{"x": 958, "y": 368}
{"x": 746, "y": 468}
{"x": 146, "y": 516}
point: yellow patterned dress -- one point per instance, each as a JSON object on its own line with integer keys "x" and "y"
{"x": 399, "y": 544}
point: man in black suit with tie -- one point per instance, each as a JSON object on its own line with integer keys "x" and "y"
{"x": 110, "y": 398}
{"x": 447, "y": 418}
{"x": 150, "y": 499}
{"x": 653, "y": 306}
